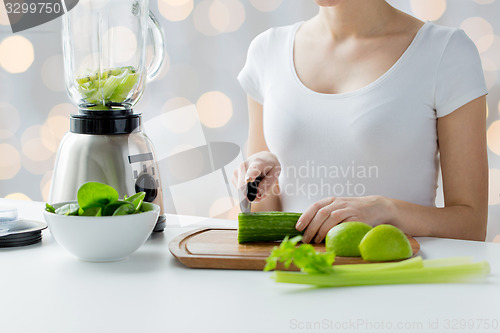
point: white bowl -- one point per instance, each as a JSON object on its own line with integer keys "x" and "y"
{"x": 102, "y": 238}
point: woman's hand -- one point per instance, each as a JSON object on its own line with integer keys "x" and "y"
{"x": 323, "y": 215}
{"x": 263, "y": 164}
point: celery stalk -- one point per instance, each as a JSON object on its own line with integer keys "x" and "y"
{"x": 416, "y": 262}
{"x": 110, "y": 85}
{"x": 447, "y": 261}
{"x": 439, "y": 274}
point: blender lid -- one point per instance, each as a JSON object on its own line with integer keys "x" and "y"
{"x": 23, "y": 233}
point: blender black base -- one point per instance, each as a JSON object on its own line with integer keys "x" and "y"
{"x": 160, "y": 224}
{"x": 110, "y": 122}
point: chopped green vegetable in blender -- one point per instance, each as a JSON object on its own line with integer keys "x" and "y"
{"x": 112, "y": 86}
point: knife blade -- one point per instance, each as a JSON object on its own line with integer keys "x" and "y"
{"x": 248, "y": 193}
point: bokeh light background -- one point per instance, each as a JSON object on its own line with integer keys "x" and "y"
{"x": 207, "y": 42}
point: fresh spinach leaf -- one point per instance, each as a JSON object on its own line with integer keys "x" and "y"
{"x": 111, "y": 208}
{"x": 124, "y": 210}
{"x": 97, "y": 199}
{"x": 136, "y": 200}
{"x": 91, "y": 211}
{"x": 146, "y": 207}
{"x": 68, "y": 209}
{"x": 50, "y": 208}
{"x": 94, "y": 194}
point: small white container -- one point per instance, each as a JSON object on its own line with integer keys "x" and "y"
{"x": 102, "y": 238}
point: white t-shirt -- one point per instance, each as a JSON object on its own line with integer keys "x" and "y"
{"x": 380, "y": 139}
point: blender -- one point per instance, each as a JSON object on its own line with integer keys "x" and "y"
{"x": 106, "y": 70}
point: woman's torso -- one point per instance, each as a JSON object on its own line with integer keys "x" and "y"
{"x": 379, "y": 139}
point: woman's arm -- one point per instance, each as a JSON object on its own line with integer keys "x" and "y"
{"x": 464, "y": 165}
{"x": 258, "y": 160}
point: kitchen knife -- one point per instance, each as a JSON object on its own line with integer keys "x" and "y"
{"x": 247, "y": 193}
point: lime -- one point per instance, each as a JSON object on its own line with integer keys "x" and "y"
{"x": 385, "y": 242}
{"x": 344, "y": 238}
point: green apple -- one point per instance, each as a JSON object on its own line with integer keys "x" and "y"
{"x": 344, "y": 238}
{"x": 385, "y": 242}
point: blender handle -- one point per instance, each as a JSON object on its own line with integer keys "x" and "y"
{"x": 156, "y": 34}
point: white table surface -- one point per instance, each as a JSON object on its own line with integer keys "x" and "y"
{"x": 45, "y": 289}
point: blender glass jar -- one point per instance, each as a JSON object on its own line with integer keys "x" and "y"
{"x": 104, "y": 47}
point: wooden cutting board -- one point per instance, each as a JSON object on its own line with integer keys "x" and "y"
{"x": 219, "y": 248}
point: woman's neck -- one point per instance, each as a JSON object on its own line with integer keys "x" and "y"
{"x": 355, "y": 18}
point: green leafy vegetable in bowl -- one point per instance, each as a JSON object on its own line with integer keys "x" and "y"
{"x": 97, "y": 199}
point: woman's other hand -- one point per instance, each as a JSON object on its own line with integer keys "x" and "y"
{"x": 323, "y": 215}
{"x": 263, "y": 164}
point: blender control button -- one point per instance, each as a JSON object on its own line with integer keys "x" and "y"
{"x": 153, "y": 170}
{"x": 146, "y": 183}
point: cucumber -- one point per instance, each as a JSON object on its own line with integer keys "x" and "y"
{"x": 266, "y": 226}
